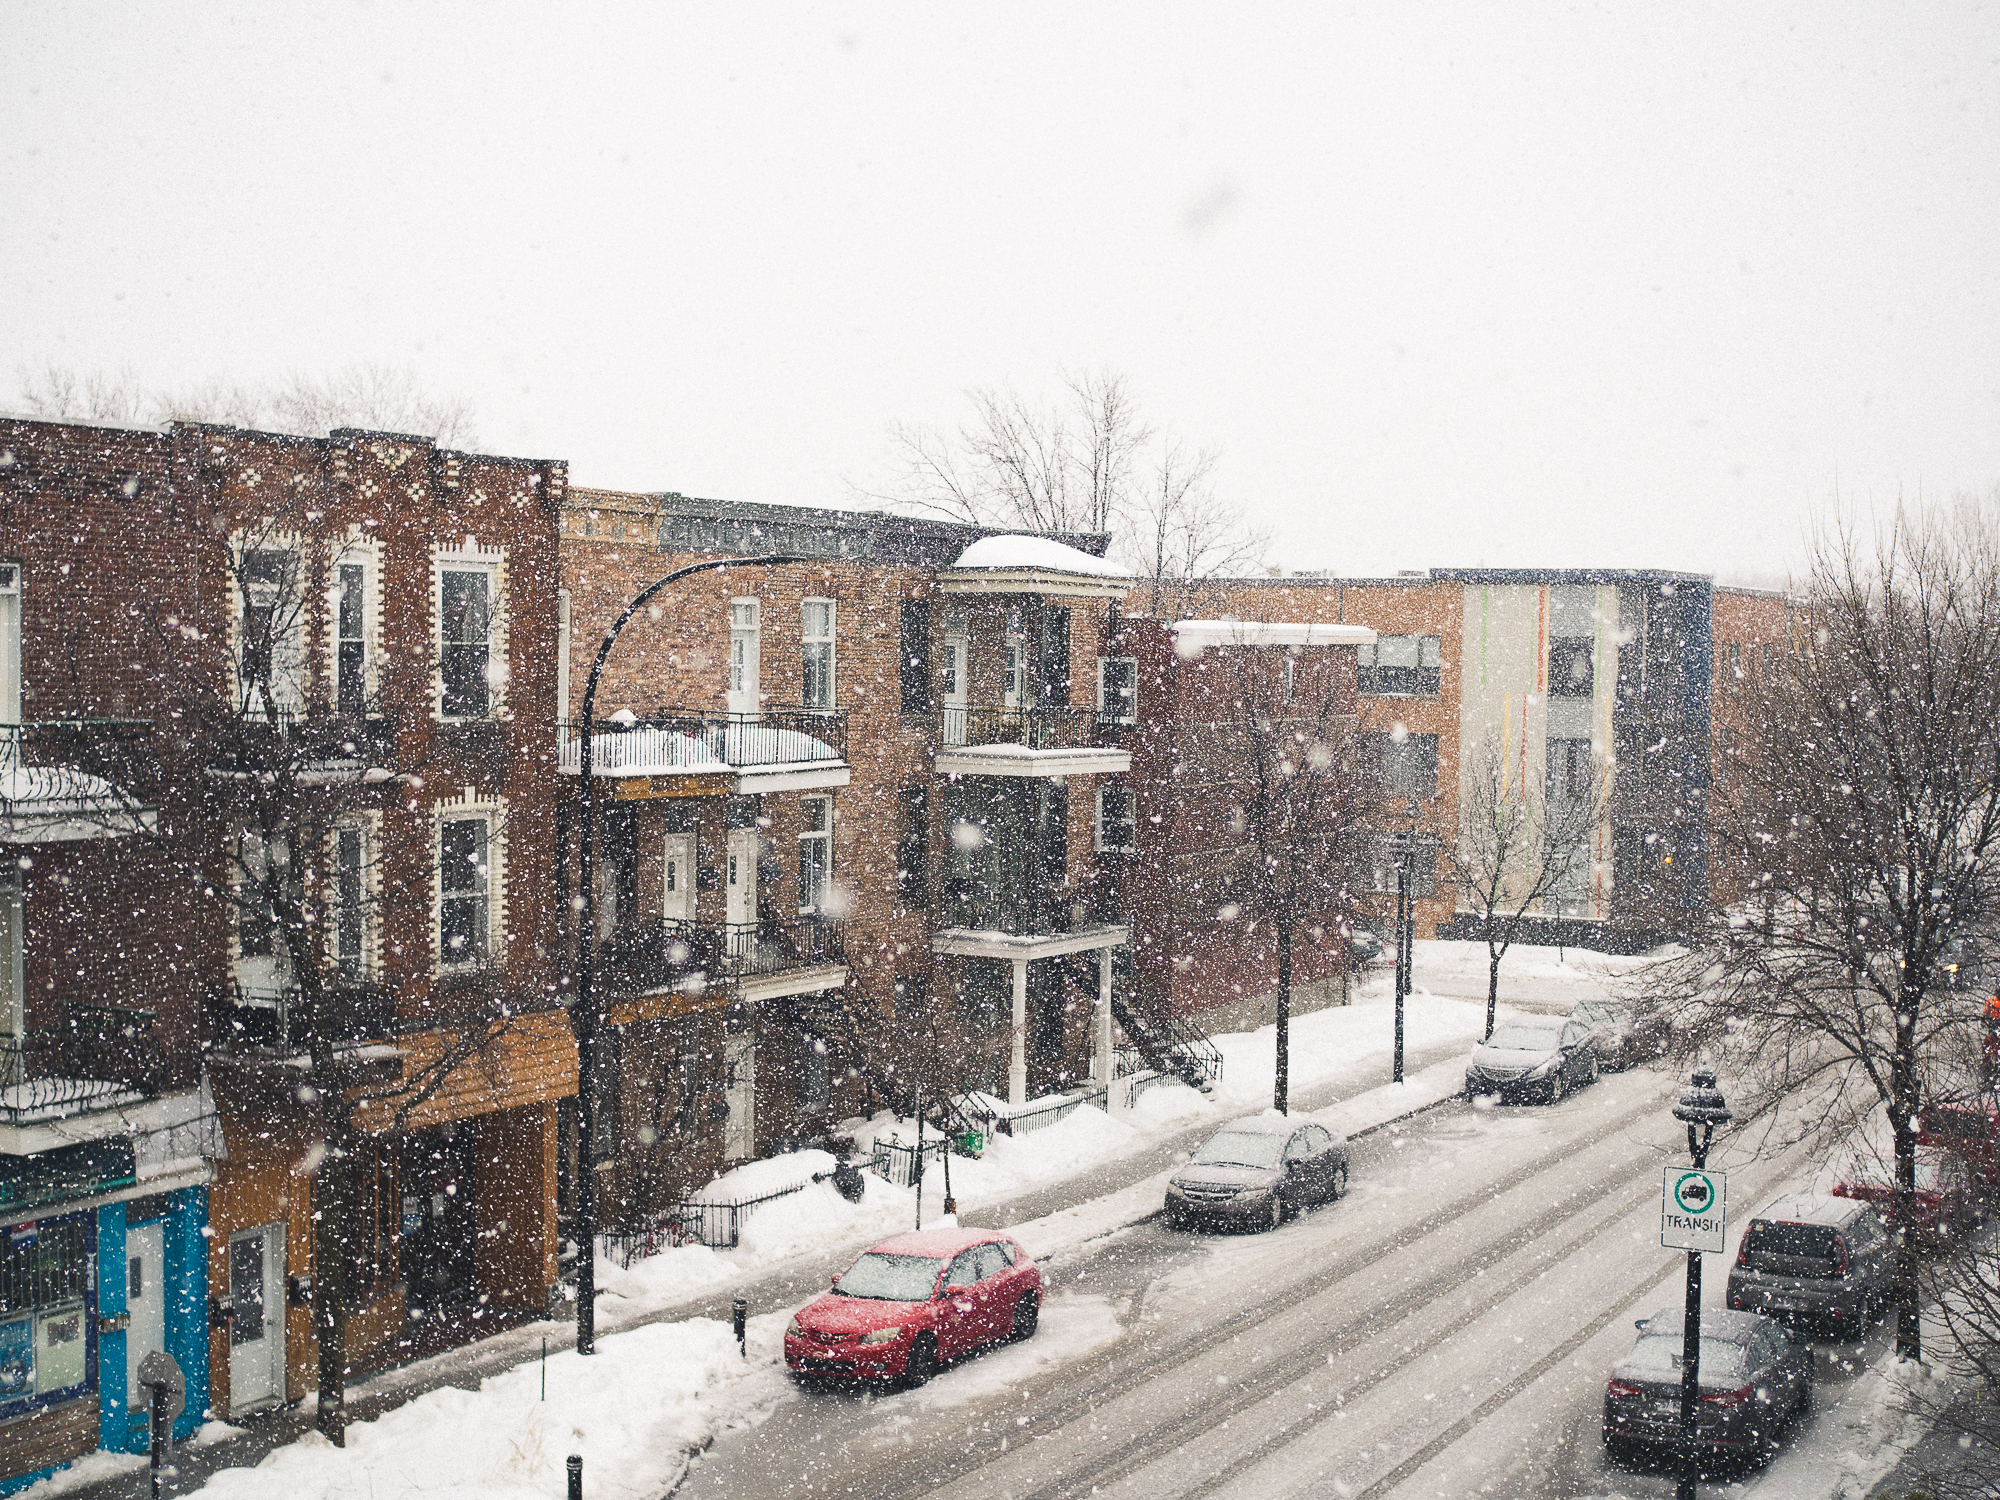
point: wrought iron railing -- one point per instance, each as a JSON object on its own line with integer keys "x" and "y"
{"x": 350, "y": 1013}
{"x": 70, "y": 768}
{"x": 99, "y": 1057}
{"x": 716, "y": 1225}
{"x": 1031, "y": 728}
{"x": 668, "y": 742}
{"x": 659, "y": 955}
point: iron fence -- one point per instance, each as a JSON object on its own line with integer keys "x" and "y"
{"x": 1047, "y": 728}
{"x": 719, "y": 1226}
{"x": 676, "y": 741}
{"x": 896, "y": 1161}
{"x": 351, "y": 1012}
{"x": 101, "y": 1056}
{"x": 658, "y": 955}
{"x": 75, "y": 768}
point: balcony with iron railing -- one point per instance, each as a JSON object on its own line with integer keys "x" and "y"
{"x": 781, "y": 749}
{"x": 649, "y": 957}
{"x": 1051, "y": 740}
{"x": 257, "y": 1018}
{"x": 98, "y": 1057}
{"x": 72, "y": 779}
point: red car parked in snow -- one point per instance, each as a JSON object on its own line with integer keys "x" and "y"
{"x": 1946, "y": 1201}
{"x": 915, "y": 1302}
{"x": 1972, "y": 1130}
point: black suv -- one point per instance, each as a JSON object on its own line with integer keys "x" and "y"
{"x": 1826, "y": 1260}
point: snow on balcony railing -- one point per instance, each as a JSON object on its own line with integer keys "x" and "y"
{"x": 679, "y": 743}
{"x": 46, "y": 775}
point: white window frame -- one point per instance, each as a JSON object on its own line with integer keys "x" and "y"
{"x": 811, "y": 903}
{"x": 366, "y": 828}
{"x": 1014, "y": 671}
{"x": 811, "y": 644}
{"x": 746, "y": 628}
{"x": 1132, "y": 820}
{"x": 365, "y": 554}
{"x": 471, "y": 558}
{"x": 10, "y": 649}
{"x": 493, "y": 814}
{"x": 288, "y": 639}
{"x": 259, "y": 975}
{"x": 1105, "y": 708}
{"x": 13, "y": 953}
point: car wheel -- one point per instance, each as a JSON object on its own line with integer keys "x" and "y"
{"x": 1277, "y": 1211}
{"x": 1804, "y": 1405}
{"x": 1556, "y": 1087}
{"x": 1339, "y": 1184}
{"x": 1027, "y": 1317}
{"x": 1590, "y": 1072}
{"x": 1173, "y": 1220}
{"x": 922, "y": 1363}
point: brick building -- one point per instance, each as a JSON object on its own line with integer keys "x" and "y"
{"x": 844, "y": 797}
{"x": 368, "y": 625}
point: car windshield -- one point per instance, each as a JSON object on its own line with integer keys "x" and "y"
{"x": 1782, "y": 1237}
{"x": 1659, "y": 1354}
{"x": 1523, "y": 1039}
{"x": 1239, "y": 1148}
{"x": 891, "y": 1278}
{"x": 1601, "y": 1013}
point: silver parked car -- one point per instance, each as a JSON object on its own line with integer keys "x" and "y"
{"x": 1536, "y": 1057}
{"x": 1826, "y": 1261}
{"x": 1257, "y": 1173}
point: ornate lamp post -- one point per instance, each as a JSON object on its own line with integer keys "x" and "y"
{"x": 583, "y": 1009}
{"x": 1701, "y": 1108}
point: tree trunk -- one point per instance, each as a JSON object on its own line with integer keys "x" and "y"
{"x": 1492, "y": 977}
{"x": 332, "y": 1213}
{"x": 1903, "y": 1119}
{"x": 1281, "y": 1085}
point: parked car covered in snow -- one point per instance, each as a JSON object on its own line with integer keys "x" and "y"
{"x": 915, "y": 1302}
{"x": 1628, "y": 1033}
{"x": 1258, "y": 1172}
{"x": 1536, "y": 1057}
{"x": 1826, "y": 1260}
{"x": 1755, "y": 1375}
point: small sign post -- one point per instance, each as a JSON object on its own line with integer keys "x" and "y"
{"x": 1693, "y": 1204}
{"x": 166, "y": 1391}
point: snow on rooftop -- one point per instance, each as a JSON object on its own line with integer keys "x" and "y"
{"x": 1191, "y": 637}
{"x": 1036, "y": 552}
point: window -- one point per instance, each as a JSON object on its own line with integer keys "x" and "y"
{"x": 1408, "y": 768}
{"x": 1570, "y": 669}
{"x": 916, "y": 656}
{"x": 913, "y": 838}
{"x": 44, "y": 1284}
{"x": 350, "y": 897}
{"x": 350, "y": 644}
{"x": 815, "y": 852}
{"x": 1734, "y": 674}
{"x": 1399, "y": 666}
{"x": 816, "y": 676}
{"x": 1055, "y": 656}
{"x": 744, "y": 627}
{"x": 1014, "y": 684}
{"x": 464, "y": 891}
{"x": 1291, "y": 689}
{"x": 813, "y": 1081}
{"x": 1770, "y": 651}
{"x": 465, "y": 647}
{"x": 268, "y": 642}
{"x": 1569, "y": 770}
{"x": 1118, "y": 689}
{"x": 13, "y": 966}
{"x": 10, "y": 643}
{"x": 913, "y": 993}
{"x": 262, "y": 864}
{"x": 1117, "y": 831}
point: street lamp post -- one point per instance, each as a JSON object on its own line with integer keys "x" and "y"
{"x": 1700, "y": 1105}
{"x": 583, "y": 1009}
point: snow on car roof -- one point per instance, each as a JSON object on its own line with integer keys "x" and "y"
{"x": 935, "y": 1241}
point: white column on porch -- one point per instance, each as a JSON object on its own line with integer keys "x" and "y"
{"x": 1106, "y": 1058}
{"x": 1017, "y": 1070}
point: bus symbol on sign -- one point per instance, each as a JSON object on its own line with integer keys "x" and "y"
{"x": 1692, "y": 1203}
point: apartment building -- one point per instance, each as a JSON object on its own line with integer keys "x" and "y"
{"x": 352, "y": 641}
{"x": 1549, "y": 672}
{"x": 849, "y": 817}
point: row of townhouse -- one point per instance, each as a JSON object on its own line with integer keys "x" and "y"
{"x": 911, "y": 809}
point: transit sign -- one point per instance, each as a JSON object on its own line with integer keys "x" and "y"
{"x": 1692, "y": 1204}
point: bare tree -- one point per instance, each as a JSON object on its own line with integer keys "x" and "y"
{"x": 1519, "y": 847}
{"x": 383, "y": 397}
{"x": 1856, "y": 841}
{"x": 1964, "y": 1290}
{"x": 1283, "y": 758}
{"x": 1086, "y": 462}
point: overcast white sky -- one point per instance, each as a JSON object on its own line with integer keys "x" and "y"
{"x": 1485, "y": 283}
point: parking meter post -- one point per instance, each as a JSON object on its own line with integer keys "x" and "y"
{"x": 576, "y": 1476}
{"x": 739, "y": 1318}
{"x": 161, "y": 1438}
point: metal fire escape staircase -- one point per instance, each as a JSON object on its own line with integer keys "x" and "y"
{"x": 1167, "y": 1039}
{"x": 829, "y": 1015}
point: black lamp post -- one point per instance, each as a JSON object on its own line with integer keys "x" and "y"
{"x": 583, "y": 1009}
{"x": 1700, "y": 1105}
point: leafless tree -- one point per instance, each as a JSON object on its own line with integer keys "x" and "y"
{"x": 1964, "y": 1292}
{"x": 1855, "y": 832}
{"x": 384, "y": 397}
{"x": 1283, "y": 759}
{"x": 1085, "y": 462}
{"x": 1520, "y": 846}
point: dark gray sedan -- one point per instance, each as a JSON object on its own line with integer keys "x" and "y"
{"x": 1755, "y": 1375}
{"x": 1258, "y": 1172}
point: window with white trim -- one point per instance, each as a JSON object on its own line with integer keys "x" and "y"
{"x": 1117, "y": 820}
{"x": 465, "y": 890}
{"x": 10, "y": 644}
{"x": 350, "y": 881}
{"x": 1118, "y": 689}
{"x": 1014, "y": 684}
{"x": 13, "y": 958}
{"x": 350, "y": 596}
{"x": 816, "y": 652}
{"x": 815, "y": 852}
{"x": 744, "y": 630}
{"x": 466, "y": 615}
{"x": 270, "y": 641}
{"x": 1400, "y": 666}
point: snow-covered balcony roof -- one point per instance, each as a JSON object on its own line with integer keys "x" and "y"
{"x": 1033, "y": 565}
{"x": 59, "y": 804}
